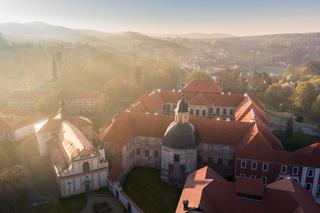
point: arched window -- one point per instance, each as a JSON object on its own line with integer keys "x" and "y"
{"x": 85, "y": 167}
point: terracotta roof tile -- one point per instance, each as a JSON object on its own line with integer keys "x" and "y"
{"x": 4, "y": 126}
{"x": 203, "y": 86}
{"x": 213, "y": 195}
{"x": 199, "y": 100}
{"x": 248, "y": 186}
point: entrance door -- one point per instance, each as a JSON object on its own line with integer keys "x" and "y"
{"x": 87, "y": 185}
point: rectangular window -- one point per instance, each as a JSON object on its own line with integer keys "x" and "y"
{"x": 254, "y": 165}
{"x": 224, "y": 111}
{"x": 156, "y": 154}
{"x": 231, "y": 111}
{"x": 284, "y": 169}
{"x": 243, "y": 164}
{"x": 210, "y": 110}
{"x": 137, "y": 151}
{"x": 204, "y": 113}
{"x": 264, "y": 180}
{"x": 147, "y": 153}
{"x": 309, "y": 187}
{"x": 176, "y": 158}
{"x": 310, "y": 172}
{"x": 191, "y": 111}
{"x": 197, "y": 112}
{"x": 218, "y": 111}
{"x": 265, "y": 167}
{"x": 295, "y": 170}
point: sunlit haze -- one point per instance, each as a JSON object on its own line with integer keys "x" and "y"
{"x": 247, "y": 17}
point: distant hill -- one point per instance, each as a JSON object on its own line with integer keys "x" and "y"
{"x": 39, "y": 30}
{"x": 35, "y": 31}
{"x": 195, "y": 35}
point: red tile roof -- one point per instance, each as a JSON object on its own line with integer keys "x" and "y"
{"x": 26, "y": 95}
{"x": 199, "y": 100}
{"x": 216, "y": 195}
{"x": 256, "y": 146}
{"x": 4, "y": 126}
{"x": 203, "y": 86}
{"x": 249, "y": 186}
{"x": 153, "y": 102}
{"x": 18, "y": 112}
{"x": 130, "y": 124}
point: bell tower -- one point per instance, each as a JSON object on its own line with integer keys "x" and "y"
{"x": 182, "y": 111}
{"x": 54, "y": 71}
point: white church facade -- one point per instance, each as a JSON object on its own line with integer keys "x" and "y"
{"x": 78, "y": 165}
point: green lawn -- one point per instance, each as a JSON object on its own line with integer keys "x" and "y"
{"x": 297, "y": 141}
{"x": 67, "y": 205}
{"x": 145, "y": 188}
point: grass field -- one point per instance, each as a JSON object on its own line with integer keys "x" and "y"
{"x": 145, "y": 188}
{"x": 67, "y": 205}
{"x": 297, "y": 141}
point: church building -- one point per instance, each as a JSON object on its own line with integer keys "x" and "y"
{"x": 78, "y": 165}
{"x": 178, "y": 132}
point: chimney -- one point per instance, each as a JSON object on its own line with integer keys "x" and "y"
{"x": 185, "y": 205}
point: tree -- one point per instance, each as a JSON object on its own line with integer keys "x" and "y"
{"x": 315, "y": 109}
{"x": 304, "y": 96}
{"x": 197, "y": 75}
{"x": 12, "y": 188}
{"x": 276, "y": 95}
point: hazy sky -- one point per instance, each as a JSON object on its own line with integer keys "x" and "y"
{"x": 239, "y": 17}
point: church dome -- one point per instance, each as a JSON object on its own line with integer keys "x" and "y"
{"x": 180, "y": 136}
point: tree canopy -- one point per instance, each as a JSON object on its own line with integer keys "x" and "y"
{"x": 304, "y": 96}
{"x": 197, "y": 75}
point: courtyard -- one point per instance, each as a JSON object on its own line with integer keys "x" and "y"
{"x": 297, "y": 141}
{"x": 144, "y": 187}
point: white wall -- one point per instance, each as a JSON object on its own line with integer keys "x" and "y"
{"x": 28, "y": 129}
